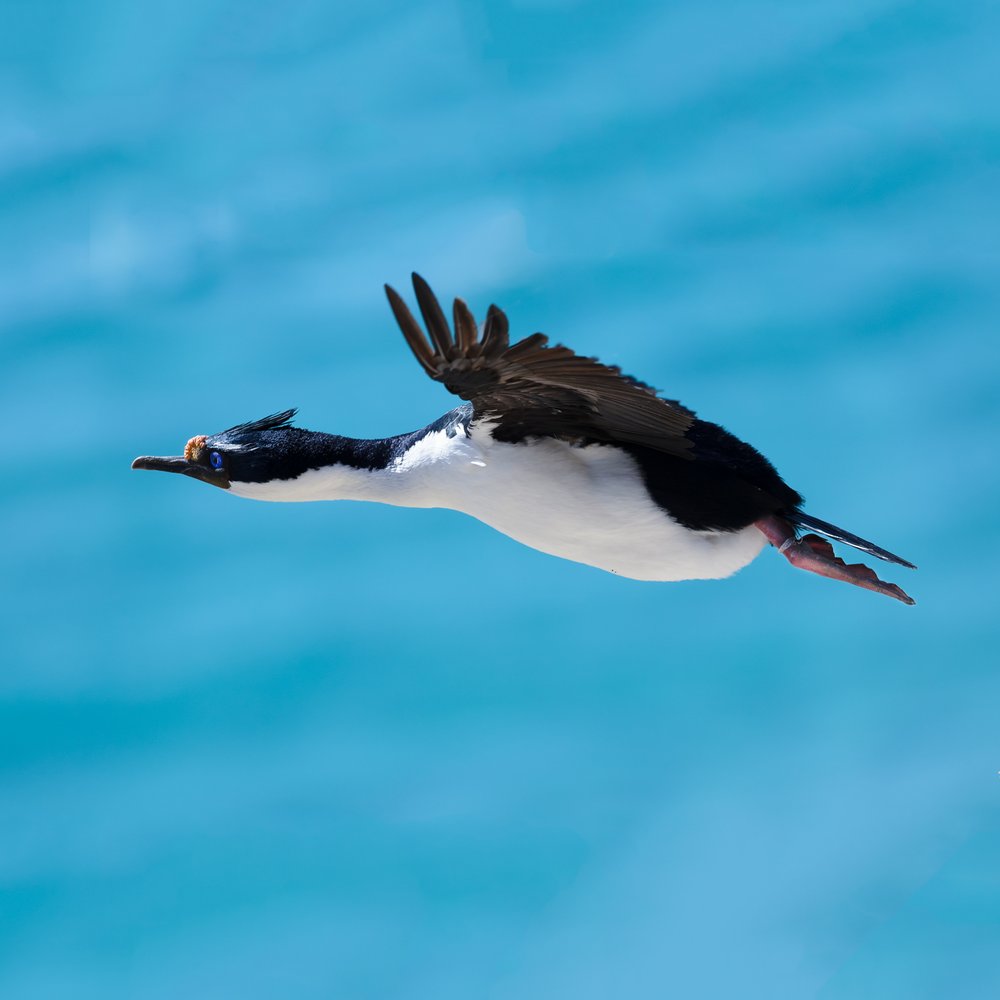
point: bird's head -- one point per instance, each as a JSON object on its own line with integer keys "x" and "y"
{"x": 247, "y": 453}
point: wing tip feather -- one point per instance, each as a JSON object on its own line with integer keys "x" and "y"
{"x": 434, "y": 318}
{"x": 410, "y": 328}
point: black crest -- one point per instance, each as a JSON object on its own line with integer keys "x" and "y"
{"x": 273, "y": 422}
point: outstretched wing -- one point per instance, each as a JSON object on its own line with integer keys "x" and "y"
{"x": 529, "y": 388}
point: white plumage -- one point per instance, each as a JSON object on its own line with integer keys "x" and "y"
{"x": 587, "y": 504}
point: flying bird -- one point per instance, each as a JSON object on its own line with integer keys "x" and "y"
{"x": 556, "y": 450}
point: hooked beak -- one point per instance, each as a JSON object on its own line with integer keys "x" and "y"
{"x": 184, "y": 467}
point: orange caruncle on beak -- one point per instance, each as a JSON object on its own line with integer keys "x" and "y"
{"x": 194, "y": 447}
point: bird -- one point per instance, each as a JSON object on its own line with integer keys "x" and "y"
{"x": 557, "y": 450}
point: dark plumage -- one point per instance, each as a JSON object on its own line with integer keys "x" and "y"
{"x": 559, "y": 451}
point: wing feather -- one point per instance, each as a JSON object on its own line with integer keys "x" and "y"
{"x": 412, "y": 332}
{"x": 466, "y": 333}
{"x": 434, "y": 318}
{"x": 495, "y": 334}
{"x": 530, "y": 388}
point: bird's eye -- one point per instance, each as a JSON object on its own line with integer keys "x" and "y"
{"x": 216, "y": 459}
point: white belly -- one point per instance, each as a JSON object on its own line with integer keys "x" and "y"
{"x": 588, "y": 504}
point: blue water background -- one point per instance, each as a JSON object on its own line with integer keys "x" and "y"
{"x": 348, "y": 751}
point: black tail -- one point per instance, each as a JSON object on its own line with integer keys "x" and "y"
{"x": 839, "y": 535}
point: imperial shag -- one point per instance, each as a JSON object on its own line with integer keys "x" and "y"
{"x": 559, "y": 451}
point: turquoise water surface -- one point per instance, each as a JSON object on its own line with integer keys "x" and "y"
{"x": 348, "y": 751}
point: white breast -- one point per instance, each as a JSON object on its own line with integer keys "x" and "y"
{"x": 585, "y": 504}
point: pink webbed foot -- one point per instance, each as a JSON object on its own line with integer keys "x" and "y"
{"x": 816, "y": 555}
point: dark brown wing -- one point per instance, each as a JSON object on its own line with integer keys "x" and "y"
{"x": 529, "y": 388}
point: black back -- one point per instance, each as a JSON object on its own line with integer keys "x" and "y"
{"x": 728, "y": 486}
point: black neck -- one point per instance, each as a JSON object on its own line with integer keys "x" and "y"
{"x": 288, "y": 452}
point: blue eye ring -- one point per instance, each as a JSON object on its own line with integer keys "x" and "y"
{"x": 216, "y": 459}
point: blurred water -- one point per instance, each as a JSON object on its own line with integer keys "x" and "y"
{"x": 345, "y": 751}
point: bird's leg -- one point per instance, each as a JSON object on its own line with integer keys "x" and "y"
{"x": 816, "y": 555}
